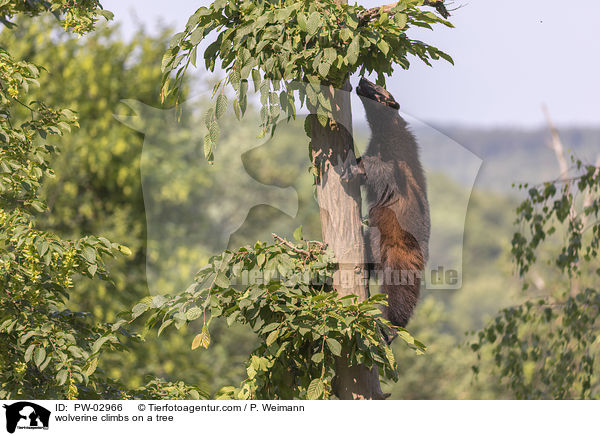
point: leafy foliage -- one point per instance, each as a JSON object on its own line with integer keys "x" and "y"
{"x": 289, "y": 46}
{"x": 78, "y": 17}
{"x": 445, "y": 371}
{"x": 159, "y": 390}
{"x": 49, "y": 351}
{"x": 282, "y": 291}
{"x": 547, "y": 347}
{"x": 554, "y": 204}
{"x": 97, "y": 189}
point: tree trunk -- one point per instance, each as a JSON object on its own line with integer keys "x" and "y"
{"x": 340, "y": 208}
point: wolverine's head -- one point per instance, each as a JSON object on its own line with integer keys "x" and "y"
{"x": 376, "y": 93}
{"x": 380, "y": 107}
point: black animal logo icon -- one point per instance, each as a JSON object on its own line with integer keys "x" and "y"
{"x": 26, "y": 414}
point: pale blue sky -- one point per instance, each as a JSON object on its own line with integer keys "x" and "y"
{"x": 511, "y": 56}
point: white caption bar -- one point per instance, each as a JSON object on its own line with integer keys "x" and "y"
{"x": 381, "y": 418}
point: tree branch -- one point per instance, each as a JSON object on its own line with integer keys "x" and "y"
{"x": 559, "y": 151}
{"x": 291, "y": 246}
{"x": 557, "y": 146}
{"x": 439, "y": 6}
{"x": 374, "y": 13}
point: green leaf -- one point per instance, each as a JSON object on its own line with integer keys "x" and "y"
{"x": 90, "y": 368}
{"x": 298, "y": 234}
{"x": 29, "y": 352}
{"x": 353, "y": 51}
{"x": 329, "y": 55}
{"x": 256, "y": 79}
{"x": 193, "y": 56}
{"x": 138, "y": 309}
{"x": 334, "y": 346}
{"x": 106, "y": 14}
{"x": 43, "y": 248}
{"x": 61, "y": 376}
{"x": 272, "y": 337}
{"x": 270, "y": 327}
{"x": 46, "y": 363}
{"x": 168, "y": 58}
{"x": 194, "y": 313}
{"x": 221, "y": 105}
{"x": 89, "y": 254}
{"x": 209, "y": 117}
{"x": 323, "y": 119}
{"x": 352, "y": 23}
{"x": 99, "y": 342}
{"x": 236, "y": 109}
{"x": 197, "y": 36}
{"x": 39, "y": 356}
{"x": 302, "y": 22}
{"x": 221, "y": 280}
{"x": 446, "y": 57}
{"x": 38, "y": 206}
{"x": 214, "y": 132}
{"x": 346, "y": 34}
{"x": 314, "y": 23}
{"x": 390, "y": 355}
{"x": 383, "y": 46}
{"x": 232, "y": 318}
{"x": 163, "y": 326}
{"x": 27, "y": 336}
{"x": 400, "y": 20}
{"x": 207, "y": 148}
{"x": 307, "y": 126}
{"x": 176, "y": 39}
{"x": 158, "y": 301}
{"x": 324, "y": 69}
{"x": 315, "y": 390}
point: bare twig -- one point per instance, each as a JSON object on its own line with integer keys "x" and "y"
{"x": 557, "y": 145}
{"x": 559, "y": 151}
{"x": 559, "y": 181}
{"x": 292, "y": 246}
{"x": 320, "y": 244}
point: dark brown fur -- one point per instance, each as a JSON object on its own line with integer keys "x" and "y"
{"x": 398, "y": 238}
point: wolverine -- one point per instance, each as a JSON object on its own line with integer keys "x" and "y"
{"x": 397, "y": 241}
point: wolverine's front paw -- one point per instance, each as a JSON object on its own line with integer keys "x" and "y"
{"x": 352, "y": 171}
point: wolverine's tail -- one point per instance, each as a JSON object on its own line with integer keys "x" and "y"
{"x": 401, "y": 266}
{"x": 402, "y": 269}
